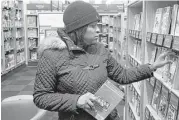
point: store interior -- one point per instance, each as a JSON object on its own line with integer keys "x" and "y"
{"x": 135, "y": 32}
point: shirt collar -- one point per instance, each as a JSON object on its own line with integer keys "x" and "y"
{"x": 73, "y": 47}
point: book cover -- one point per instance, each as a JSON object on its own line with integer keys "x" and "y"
{"x": 156, "y": 95}
{"x": 138, "y": 105}
{"x": 153, "y": 57}
{"x": 163, "y": 104}
{"x": 173, "y": 106}
{"x": 177, "y": 25}
{"x": 166, "y": 20}
{"x": 166, "y": 71}
{"x": 157, "y": 21}
{"x": 106, "y": 103}
{"x": 160, "y": 50}
{"x": 31, "y": 21}
{"x": 141, "y": 21}
{"x": 174, "y": 16}
{"x": 137, "y": 22}
{"x": 147, "y": 114}
{"x": 173, "y": 68}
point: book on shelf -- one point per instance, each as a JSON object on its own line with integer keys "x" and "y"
{"x": 153, "y": 82}
{"x": 138, "y": 105}
{"x": 33, "y": 55}
{"x": 177, "y": 25}
{"x": 105, "y": 29}
{"x": 106, "y": 104}
{"x": 32, "y": 33}
{"x": 147, "y": 114}
{"x": 141, "y": 21}
{"x": 173, "y": 69}
{"x": 9, "y": 60}
{"x": 158, "y": 20}
{"x": 32, "y": 21}
{"x": 153, "y": 57}
{"x": 172, "y": 107}
{"x": 164, "y": 101}
{"x": 32, "y": 43}
{"x": 174, "y": 17}
{"x": 137, "y": 21}
{"x": 156, "y": 95}
{"x": 105, "y": 19}
{"x": 159, "y": 51}
{"x": 166, "y": 20}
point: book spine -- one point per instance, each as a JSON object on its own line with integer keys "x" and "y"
{"x": 177, "y": 26}
{"x": 174, "y": 16}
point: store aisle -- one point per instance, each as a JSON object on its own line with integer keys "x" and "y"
{"x": 20, "y": 83}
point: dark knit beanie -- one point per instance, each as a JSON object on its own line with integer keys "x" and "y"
{"x": 79, "y": 14}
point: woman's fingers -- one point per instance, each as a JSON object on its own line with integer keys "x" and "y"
{"x": 90, "y": 104}
{"x": 163, "y": 55}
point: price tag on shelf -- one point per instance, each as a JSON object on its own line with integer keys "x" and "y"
{"x": 176, "y": 43}
{"x": 149, "y": 36}
{"x": 154, "y": 38}
{"x": 160, "y": 39}
{"x": 168, "y": 41}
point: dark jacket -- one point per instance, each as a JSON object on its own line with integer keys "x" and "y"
{"x": 60, "y": 79}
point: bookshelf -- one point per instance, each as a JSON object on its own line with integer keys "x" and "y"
{"x": 106, "y": 31}
{"x": 148, "y": 35}
{"x": 32, "y": 37}
{"x": 12, "y": 37}
{"x": 119, "y": 43}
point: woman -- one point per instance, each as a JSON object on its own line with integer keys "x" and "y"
{"x": 72, "y": 67}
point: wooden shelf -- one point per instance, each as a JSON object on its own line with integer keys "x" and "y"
{"x": 6, "y": 55}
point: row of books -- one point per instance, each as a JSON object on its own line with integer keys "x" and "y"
{"x": 135, "y": 99}
{"x": 166, "y": 17}
{"x": 169, "y": 71}
{"x": 164, "y": 102}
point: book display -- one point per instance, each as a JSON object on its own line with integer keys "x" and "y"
{"x": 13, "y": 40}
{"x": 155, "y": 34}
{"x": 119, "y": 46}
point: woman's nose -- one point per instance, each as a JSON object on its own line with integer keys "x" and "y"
{"x": 97, "y": 29}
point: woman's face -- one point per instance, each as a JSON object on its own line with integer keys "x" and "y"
{"x": 91, "y": 35}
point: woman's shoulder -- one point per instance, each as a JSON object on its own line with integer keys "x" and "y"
{"x": 52, "y": 48}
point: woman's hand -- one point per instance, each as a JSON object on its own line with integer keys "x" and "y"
{"x": 161, "y": 61}
{"x": 86, "y": 101}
